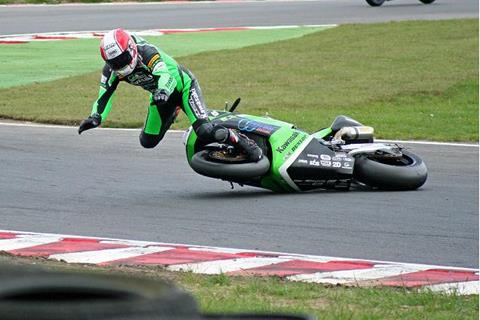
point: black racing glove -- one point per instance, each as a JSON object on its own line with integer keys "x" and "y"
{"x": 160, "y": 96}
{"x": 91, "y": 122}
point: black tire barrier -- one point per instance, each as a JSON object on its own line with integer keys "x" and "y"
{"x": 32, "y": 293}
{"x": 42, "y": 295}
{"x": 390, "y": 177}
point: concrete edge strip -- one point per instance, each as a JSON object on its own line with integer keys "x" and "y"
{"x": 71, "y": 35}
{"x": 215, "y": 260}
{"x": 38, "y": 125}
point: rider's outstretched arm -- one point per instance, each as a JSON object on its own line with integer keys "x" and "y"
{"x": 101, "y": 107}
{"x": 166, "y": 82}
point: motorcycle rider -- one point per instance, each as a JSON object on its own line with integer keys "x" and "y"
{"x": 131, "y": 59}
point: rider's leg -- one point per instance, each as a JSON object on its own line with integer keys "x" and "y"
{"x": 197, "y": 113}
{"x": 193, "y": 103}
{"x": 159, "y": 119}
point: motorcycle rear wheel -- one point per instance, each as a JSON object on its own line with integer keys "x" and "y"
{"x": 406, "y": 173}
{"x": 206, "y": 163}
{"x": 375, "y": 3}
{"x": 427, "y": 1}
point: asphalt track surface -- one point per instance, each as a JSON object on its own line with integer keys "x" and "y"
{"x": 103, "y": 183}
{"x": 35, "y": 19}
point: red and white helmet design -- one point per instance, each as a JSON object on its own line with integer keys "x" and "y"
{"x": 119, "y": 51}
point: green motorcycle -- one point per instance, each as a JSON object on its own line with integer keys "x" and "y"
{"x": 294, "y": 160}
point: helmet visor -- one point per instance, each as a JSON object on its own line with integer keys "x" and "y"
{"x": 121, "y": 61}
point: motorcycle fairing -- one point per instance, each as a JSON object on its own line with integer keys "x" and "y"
{"x": 248, "y": 124}
{"x": 314, "y": 165}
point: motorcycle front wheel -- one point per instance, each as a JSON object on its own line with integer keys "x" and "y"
{"x": 212, "y": 164}
{"x": 377, "y": 3}
{"x": 407, "y": 172}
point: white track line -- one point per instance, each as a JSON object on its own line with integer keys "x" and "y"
{"x": 101, "y": 256}
{"x": 353, "y": 276}
{"x": 151, "y": 32}
{"x": 433, "y": 143}
{"x": 38, "y": 125}
{"x": 28, "y": 240}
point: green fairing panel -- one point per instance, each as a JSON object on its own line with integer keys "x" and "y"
{"x": 322, "y": 133}
{"x": 267, "y": 120}
{"x": 284, "y": 142}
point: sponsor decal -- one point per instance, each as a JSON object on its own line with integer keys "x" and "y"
{"x": 346, "y": 165}
{"x": 295, "y": 147}
{"x": 312, "y": 155}
{"x": 348, "y": 159}
{"x": 159, "y": 65}
{"x": 336, "y": 164}
{"x": 112, "y": 53}
{"x": 251, "y": 125}
{"x": 315, "y": 163}
{"x": 303, "y": 161}
{"x": 139, "y": 78}
{"x": 154, "y": 59}
{"x": 339, "y": 157}
{"x": 214, "y": 113}
{"x": 170, "y": 84}
{"x": 325, "y": 157}
{"x": 326, "y": 163}
{"x": 196, "y": 104}
{"x": 287, "y": 142}
{"x": 109, "y": 46}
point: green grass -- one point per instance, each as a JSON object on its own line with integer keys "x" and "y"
{"x": 43, "y": 61}
{"x": 267, "y": 295}
{"x": 409, "y": 80}
{"x": 225, "y": 294}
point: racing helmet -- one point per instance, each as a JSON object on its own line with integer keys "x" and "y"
{"x": 119, "y": 51}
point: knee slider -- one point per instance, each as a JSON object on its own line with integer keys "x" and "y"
{"x": 149, "y": 141}
{"x": 204, "y": 129}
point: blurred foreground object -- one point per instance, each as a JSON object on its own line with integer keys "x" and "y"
{"x": 33, "y": 293}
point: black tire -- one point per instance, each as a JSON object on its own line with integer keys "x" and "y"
{"x": 409, "y": 174}
{"x": 30, "y": 293}
{"x": 202, "y": 164}
{"x": 375, "y": 3}
{"x": 427, "y": 1}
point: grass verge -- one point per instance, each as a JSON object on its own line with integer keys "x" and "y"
{"x": 410, "y": 80}
{"x": 45, "y": 61}
{"x": 224, "y": 294}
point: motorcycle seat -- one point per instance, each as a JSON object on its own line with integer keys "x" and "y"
{"x": 343, "y": 121}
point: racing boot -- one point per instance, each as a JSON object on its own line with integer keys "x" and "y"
{"x": 240, "y": 141}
